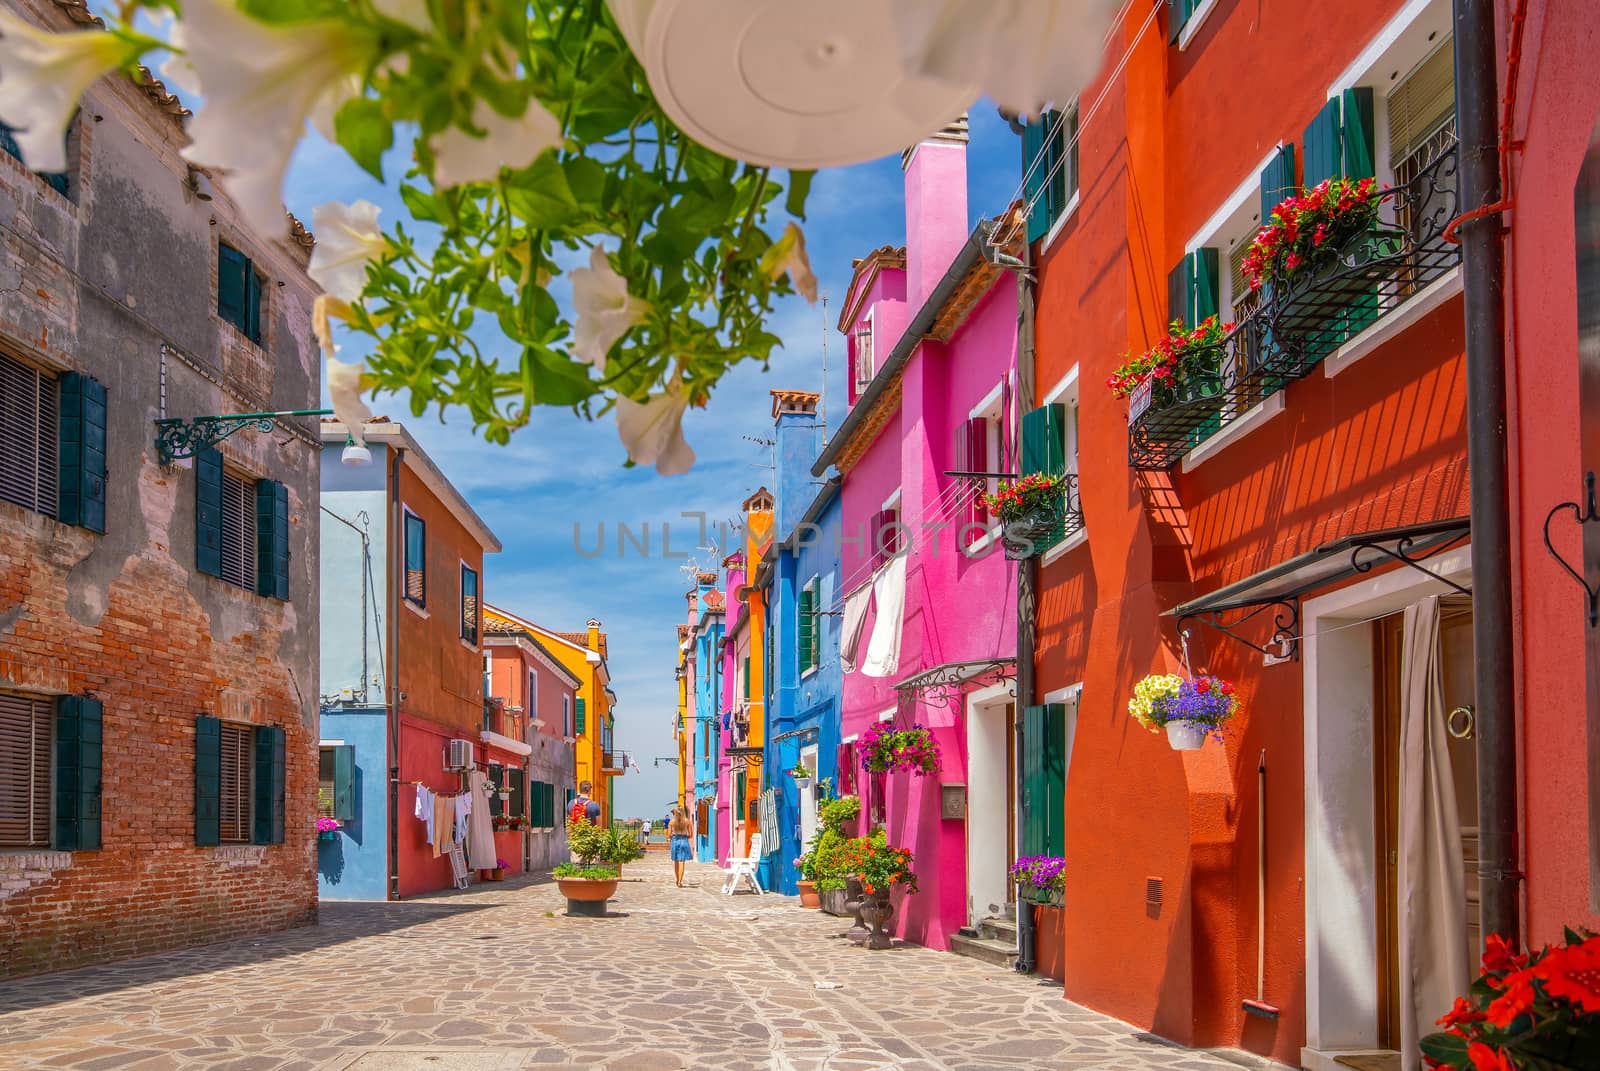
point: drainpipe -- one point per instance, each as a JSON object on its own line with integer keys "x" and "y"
{"x": 1483, "y": 302}
{"x": 396, "y": 554}
{"x": 1027, "y": 595}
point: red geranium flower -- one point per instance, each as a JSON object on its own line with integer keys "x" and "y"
{"x": 1485, "y": 1058}
{"x": 1517, "y": 996}
{"x": 1500, "y": 957}
{"x": 1463, "y": 1012}
{"x": 1573, "y": 973}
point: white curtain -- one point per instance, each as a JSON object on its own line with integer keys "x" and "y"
{"x": 481, "y": 854}
{"x": 855, "y": 615}
{"x": 889, "y": 593}
{"x": 1434, "y": 967}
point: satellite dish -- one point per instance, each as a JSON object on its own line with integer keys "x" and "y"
{"x": 787, "y": 84}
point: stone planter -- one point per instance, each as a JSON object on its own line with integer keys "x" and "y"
{"x": 833, "y": 902}
{"x": 877, "y": 909}
{"x": 1186, "y": 735}
{"x": 855, "y": 896}
{"x": 808, "y": 895}
{"x": 587, "y": 896}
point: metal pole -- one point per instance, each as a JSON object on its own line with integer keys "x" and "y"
{"x": 1477, "y": 104}
{"x": 1027, "y": 597}
{"x": 396, "y": 566}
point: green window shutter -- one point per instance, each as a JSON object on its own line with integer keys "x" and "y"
{"x": 1360, "y": 158}
{"x": 272, "y": 540}
{"x": 77, "y": 773}
{"x": 497, "y": 774}
{"x": 81, "y": 469}
{"x": 1044, "y": 445}
{"x": 208, "y": 512}
{"x": 1055, "y": 162}
{"x": 207, "y": 780}
{"x": 1277, "y": 182}
{"x": 1324, "y": 146}
{"x": 808, "y": 626}
{"x": 519, "y": 793}
{"x": 1034, "y": 156}
{"x": 344, "y": 782}
{"x": 1053, "y": 776}
{"x": 1033, "y": 801}
{"x": 1204, "y": 268}
{"x": 1177, "y": 15}
{"x": 1180, "y": 292}
{"x": 233, "y": 298}
{"x": 252, "y": 303}
{"x": 267, "y": 809}
{"x": 747, "y": 678}
{"x": 582, "y": 718}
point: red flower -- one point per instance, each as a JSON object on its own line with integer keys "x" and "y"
{"x": 1485, "y": 1058}
{"x": 1500, "y": 957}
{"x": 1463, "y": 1012}
{"x": 1573, "y": 973}
{"x": 1516, "y": 997}
{"x": 1203, "y": 685}
{"x": 1226, "y": 687}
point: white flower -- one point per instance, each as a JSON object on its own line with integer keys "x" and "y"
{"x": 605, "y": 309}
{"x": 787, "y": 256}
{"x": 344, "y": 388}
{"x": 347, "y": 238}
{"x": 42, "y": 77}
{"x": 653, "y": 432}
{"x": 323, "y": 310}
{"x": 463, "y": 157}
{"x": 1025, "y": 54}
{"x": 261, "y": 83}
{"x": 414, "y": 13}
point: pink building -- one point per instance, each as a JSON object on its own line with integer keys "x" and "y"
{"x": 735, "y": 651}
{"x": 931, "y": 335}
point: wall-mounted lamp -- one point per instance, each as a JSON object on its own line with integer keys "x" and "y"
{"x": 199, "y": 184}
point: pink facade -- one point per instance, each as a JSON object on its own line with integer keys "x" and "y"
{"x": 732, "y": 659}
{"x": 959, "y": 602}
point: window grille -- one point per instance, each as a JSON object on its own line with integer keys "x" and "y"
{"x": 237, "y": 765}
{"x": 25, "y": 731}
{"x": 28, "y": 435}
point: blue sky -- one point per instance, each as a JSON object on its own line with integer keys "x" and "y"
{"x": 562, "y": 475}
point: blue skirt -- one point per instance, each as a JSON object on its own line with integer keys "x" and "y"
{"x": 680, "y": 849}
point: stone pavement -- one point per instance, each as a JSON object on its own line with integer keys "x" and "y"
{"x": 498, "y": 978}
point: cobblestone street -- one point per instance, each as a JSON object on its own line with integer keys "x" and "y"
{"x": 499, "y": 978}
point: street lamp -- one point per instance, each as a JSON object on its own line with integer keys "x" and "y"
{"x": 178, "y": 438}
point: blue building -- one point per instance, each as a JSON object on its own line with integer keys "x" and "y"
{"x": 801, "y": 577}
{"x": 706, "y": 639}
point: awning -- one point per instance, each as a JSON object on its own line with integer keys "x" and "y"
{"x": 1280, "y": 587}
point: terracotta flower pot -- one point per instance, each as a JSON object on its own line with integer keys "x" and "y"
{"x": 587, "y": 896}
{"x": 808, "y": 895}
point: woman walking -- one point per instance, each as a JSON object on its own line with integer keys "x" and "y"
{"x": 679, "y": 829}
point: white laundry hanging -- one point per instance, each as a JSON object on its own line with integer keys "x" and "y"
{"x": 889, "y": 593}
{"x": 855, "y": 616}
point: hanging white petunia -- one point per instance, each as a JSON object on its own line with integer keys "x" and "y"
{"x": 261, "y": 83}
{"x": 787, "y": 256}
{"x": 344, "y": 388}
{"x": 348, "y": 238}
{"x": 414, "y": 13}
{"x": 653, "y": 431}
{"x": 605, "y": 309}
{"x": 461, "y": 157}
{"x": 323, "y": 312}
{"x": 1024, "y": 54}
{"x": 42, "y": 77}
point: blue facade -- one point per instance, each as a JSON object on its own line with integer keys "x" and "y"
{"x": 803, "y": 708}
{"x": 707, "y": 712}
{"x": 354, "y": 865}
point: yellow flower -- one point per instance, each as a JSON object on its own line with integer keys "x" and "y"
{"x": 1147, "y": 692}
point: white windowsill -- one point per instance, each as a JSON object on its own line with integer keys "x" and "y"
{"x": 418, "y": 610}
{"x": 981, "y": 545}
{"x": 1388, "y": 327}
{"x": 1234, "y": 430}
{"x": 1061, "y": 221}
{"x": 469, "y": 645}
{"x": 1192, "y": 27}
{"x": 1072, "y": 542}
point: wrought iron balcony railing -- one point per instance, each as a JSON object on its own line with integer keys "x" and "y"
{"x": 1295, "y": 328}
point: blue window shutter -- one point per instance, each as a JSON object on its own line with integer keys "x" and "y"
{"x": 207, "y": 780}
{"x": 344, "y": 782}
{"x": 208, "y": 512}
{"x": 267, "y": 807}
{"x": 77, "y": 773}
{"x": 1359, "y": 154}
{"x": 233, "y": 299}
{"x": 1324, "y": 146}
{"x": 272, "y": 540}
{"x": 1180, "y": 292}
{"x": 1035, "y": 157}
{"x": 1203, "y": 269}
{"x": 81, "y": 468}
{"x": 252, "y": 303}
{"x": 1277, "y": 182}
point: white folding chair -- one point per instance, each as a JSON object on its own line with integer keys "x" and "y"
{"x": 744, "y": 869}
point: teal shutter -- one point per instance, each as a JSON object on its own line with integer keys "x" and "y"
{"x": 1035, "y": 157}
{"x": 267, "y": 809}
{"x": 208, "y": 512}
{"x": 808, "y": 627}
{"x": 1277, "y": 182}
{"x": 497, "y": 774}
{"x": 1203, "y": 263}
{"x": 1360, "y": 160}
{"x": 207, "y": 780}
{"x": 1053, "y": 776}
{"x": 1180, "y": 292}
{"x": 1033, "y": 801}
{"x": 1056, "y": 168}
{"x": 233, "y": 298}
{"x": 1044, "y": 446}
{"x": 1324, "y": 146}
{"x": 272, "y": 540}
{"x": 252, "y": 303}
{"x": 344, "y": 782}
{"x": 582, "y": 718}
{"x": 81, "y": 470}
{"x": 77, "y": 773}
{"x": 1177, "y": 15}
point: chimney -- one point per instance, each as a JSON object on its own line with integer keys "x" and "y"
{"x": 799, "y": 441}
{"x": 936, "y": 208}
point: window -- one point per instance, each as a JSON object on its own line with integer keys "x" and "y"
{"x": 862, "y": 357}
{"x": 26, "y": 732}
{"x": 28, "y": 436}
{"x": 238, "y": 759}
{"x": 808, "y": 626}
{"x": 1050, "y": 445}
{"x": 517, "y": 781}
{"x": 566, "y": 715}
{"x": 238, "y": 530}
{"x": 336, "y": 776}
{"x": 469, "y": 604}
{"x": 56, "y": 180}
{"x": 416, "y": 559}
{"x": 239, "y": 291}
{"x": 530, "y": 702}
{"x": 1050, "y": 169}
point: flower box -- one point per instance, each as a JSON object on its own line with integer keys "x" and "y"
{"x": 1323, "y": 306}
{"x": 833, "y": 902}
{"x": 1024, "y": 535}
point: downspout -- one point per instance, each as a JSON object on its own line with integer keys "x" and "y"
{"x": 396, "y": 555}
{"x": 1027, "y": 593}
{"x": 1483, "y": 301}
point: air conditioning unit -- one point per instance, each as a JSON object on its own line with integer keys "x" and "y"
{"x": 460, "y": 755}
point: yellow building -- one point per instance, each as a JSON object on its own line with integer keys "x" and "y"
{"x": 684, "y": 723}
{"x": 584, "y": 654}
{"x": 749, "y": 639}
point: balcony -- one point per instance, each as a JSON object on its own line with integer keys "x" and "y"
{"x": 1292, "y": 331}
{"x": 613, "y": 762}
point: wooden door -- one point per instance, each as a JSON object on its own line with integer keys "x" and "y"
{"x": 1386, "y": 645}
{"x": 1011, "y": 797}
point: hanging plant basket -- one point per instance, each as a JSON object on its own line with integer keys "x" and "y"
{"x": 1185, "y": 735}
{"x": 1025, "y": 535}
{"x": 1188, "y": 709}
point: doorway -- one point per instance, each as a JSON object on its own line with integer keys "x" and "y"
{"x": 808, "y": 798}
{"x": 991, "y": 803}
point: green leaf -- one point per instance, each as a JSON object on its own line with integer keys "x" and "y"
{"x": 364, "y": 131}
{"x": 419, "y": 203}
{"x": 554, "y": 380}
{"x": 1445, "y": 1048}
{"x": 539, "y": 195}
{"x": 799, "y": 190}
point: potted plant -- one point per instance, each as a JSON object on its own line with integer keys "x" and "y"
{"x": 1187, "y": 708}
{"x": 879, "y": 867}
{"x": 1539, "y": 1011}
{"x": 619, "y": 845}
{"x": 885, "y": 749}
{"x": 825, "y": 858}
{"x": 1040, "y": 878}
{"x": 327, "y": 828}
{"x": 1029, "y": 509}
{"x": 586, "y": 885}
{"x": 802, "y": 776}
{"x": 1041, "y": 885}
{"x": 498, "y": 873}
{"x": 809, "y": 897}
